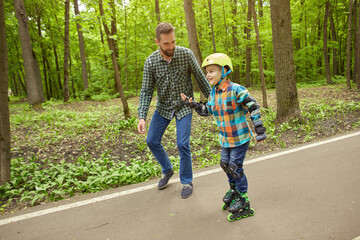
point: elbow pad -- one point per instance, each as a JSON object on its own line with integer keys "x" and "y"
{"x": 253, "y": 107}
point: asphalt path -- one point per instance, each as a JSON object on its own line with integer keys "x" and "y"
{"x": 307, "y": 192}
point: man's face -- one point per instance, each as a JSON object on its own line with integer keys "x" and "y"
{"x": 167, "y": 44}
{"x": 213, "y": 73}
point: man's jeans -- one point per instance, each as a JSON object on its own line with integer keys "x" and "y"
{"x": 157, "y": 128}
{"x": 236, "y": 155}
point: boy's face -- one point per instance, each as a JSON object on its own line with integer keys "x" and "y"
{"x": 213, "y": 74}
{"x": 167, "y": 44}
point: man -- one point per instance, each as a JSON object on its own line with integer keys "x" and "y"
{"x": 169, "y": 69}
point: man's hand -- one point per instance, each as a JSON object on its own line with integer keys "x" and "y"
{"x": 141, "y": 126}
{"x": 185, "y": 98}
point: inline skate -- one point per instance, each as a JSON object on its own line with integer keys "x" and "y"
{"x": 240, "y": 207}
{"x": 229, "y": 196}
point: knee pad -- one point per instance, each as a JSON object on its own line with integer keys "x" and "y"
{"x": 224, "y": 166}
{"x": 233, "y": 170}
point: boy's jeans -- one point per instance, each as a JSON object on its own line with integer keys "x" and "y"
{"x": 236, "y": 155}
{"x": 157, "y": 128}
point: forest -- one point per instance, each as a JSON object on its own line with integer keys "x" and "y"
{"x": 318, "y": 28}
{"x": 71, "y": 73}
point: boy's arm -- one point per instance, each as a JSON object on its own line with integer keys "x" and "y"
{"x": 199, "y": 107}
{"x": 255, "y": 116}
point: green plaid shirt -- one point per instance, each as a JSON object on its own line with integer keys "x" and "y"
{"x": 170, "y": 79}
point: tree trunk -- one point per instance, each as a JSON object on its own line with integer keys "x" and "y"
{"x": 212, "y": 26}
{"x": 356, "y": 59}
{"x": 113, "y": 35}
{"x": 236, "y": 45}
{"x": 43, "y": 52}
{"x": 135, "y": 47}
{"x": 20, "y": 65}
{"x": 225, "y": 28}
{"x": 192, "y": 36}
{"x": 348, "y": 48}
{"x": 297, "y": 40}
{"x": 115, "y": 65}
{"x": 33, "y": 79}
{"x": 50, "y": 77}
{"x": 358, "y": 49}
{"x": 125, "y": 52}
{"x": 286, "y": 91}
{"x": 335, "y": 48}
{"x": 157, "y": 11}
{"x": 103, "y": 43}
{"x": 248, "y": 47}
{"x": 261, "y": 70}
{"x": 56, "y": 19}
{"x": 325, "y": 47}
{"x": 66, "y": 52}
{"x": 58, "y": 74}
{"x": 319, "y": 59}
{"x": 22, "y": 84}
{"x": 82, "y": 47}
{"x": 261, "y": 12}
{"x": 4, "y": 104}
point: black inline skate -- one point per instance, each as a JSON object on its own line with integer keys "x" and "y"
{"x": 229, "y": 196}
{"x": 240, "y": 207}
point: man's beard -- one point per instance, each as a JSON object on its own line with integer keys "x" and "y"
{"x": 168, "y": 53}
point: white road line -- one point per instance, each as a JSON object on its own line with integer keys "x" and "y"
{"x": 151, "y": 186}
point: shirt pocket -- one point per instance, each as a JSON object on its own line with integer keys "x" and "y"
{"x": 180, "y": 75}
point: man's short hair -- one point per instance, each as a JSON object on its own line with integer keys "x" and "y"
{"x": 164, "y": 28}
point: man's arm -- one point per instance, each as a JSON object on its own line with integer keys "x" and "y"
{"x": 146, "y": 93}
{"x": 199, "y": 75}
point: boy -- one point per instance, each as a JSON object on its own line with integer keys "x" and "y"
{"x": 229, "y": 103}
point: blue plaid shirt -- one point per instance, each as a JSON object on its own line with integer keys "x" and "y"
{"x": 170, "y": 79}
{"x": 226, "y": 104}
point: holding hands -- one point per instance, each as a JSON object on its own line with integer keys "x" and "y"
{"x": 188, "y": 101}
{"x": 185, "y": 98}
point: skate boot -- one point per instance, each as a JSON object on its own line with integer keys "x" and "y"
{"x": 240, "y": 207}
{"x": 229, "y": 196}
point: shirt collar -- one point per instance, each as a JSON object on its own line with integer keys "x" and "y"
{"x": 224, "y": 86}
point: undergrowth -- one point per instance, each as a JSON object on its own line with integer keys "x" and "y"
{"x": 85, "y": 147}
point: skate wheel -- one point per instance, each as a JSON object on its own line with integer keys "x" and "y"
{"x": 225, "y": 206}
{"x": 231, "y": 217}
{"x": 252, "y": 212}
{"x": 247, "y": 213}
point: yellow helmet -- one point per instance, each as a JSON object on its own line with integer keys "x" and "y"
{"x": 220, "y": 59}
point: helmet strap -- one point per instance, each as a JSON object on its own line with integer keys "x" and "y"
{"x": 223, "y": 75}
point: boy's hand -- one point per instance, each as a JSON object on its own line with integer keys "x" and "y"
{"x": 260, "y": 131}
{"x": 260, "y": 137}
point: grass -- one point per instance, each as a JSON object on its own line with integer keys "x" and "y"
{"x": 81, "y": 147}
